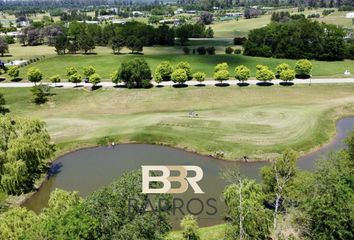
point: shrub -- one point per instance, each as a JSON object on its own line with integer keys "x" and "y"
{"x": 34, "y": 75}
{"x": 287, "y": 75}
{"x": 211, "y": 50}
{"x": 238, "y": 51}
{"x": 55, "y": 79}
{"x": 201, "y": 50}
{"x": 186, "y": 67}
{"x": 95, "y": 79}
{"x": 115, "y": 77}
{"x": 221, "y": 75}
{"x": 303, "y": 68}
{"x": 281, "y": 67}
{"x": 164, "y": 70}
{"x": 229, "y": 50}
{"x": 242, "y": 73}
{"x": 186, "y": 50}
{"x": 239, "y": 40}
{"x": 199, "y": 76}
{"x": 264, "y": 74}
{"x": 221, "y": 66}
{"x": 179, "y": 76}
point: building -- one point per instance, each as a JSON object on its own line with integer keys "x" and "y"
{"x": 170, "y": 21}
{"x": 178, "y": 11}
{"x": 350, "y": 15}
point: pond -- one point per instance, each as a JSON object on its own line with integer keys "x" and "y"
{"x": 88, "y": 169}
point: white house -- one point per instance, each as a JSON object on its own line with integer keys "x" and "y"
{"x": 178, "y": 11}
{"x": 350, "y": 15}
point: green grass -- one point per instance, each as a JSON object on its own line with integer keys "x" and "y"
{"x": 208, "y": 233}
{"x": 258, "y": 122}
{"x": 106, "y": 63}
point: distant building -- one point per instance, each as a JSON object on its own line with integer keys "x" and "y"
{"x": 137, "y": 14}
{"x": 178, "y": 11}
{"x": 350, "y": 15}
{"x": 90, "y": 22}
{"x": 118, "y": 21}
{"x": 106, "y": 17}
{"x": 191, "y": 11}
{"x": 16, "y": 63}
{"x": 236, "y": 14}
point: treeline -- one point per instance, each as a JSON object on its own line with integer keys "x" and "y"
{"x": 209, "y": 4}
{"x": 85, "y": 37}
{"x": 297, "y": 39}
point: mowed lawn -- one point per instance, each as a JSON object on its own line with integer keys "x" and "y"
{"x": 258, "y": 122}
{"x": 106, "y": 63}
{"x": 216, "y": 232}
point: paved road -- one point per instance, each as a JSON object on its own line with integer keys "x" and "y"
{"x": 107, "y": 84}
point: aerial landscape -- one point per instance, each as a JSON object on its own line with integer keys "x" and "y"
{"x": 172, "y": 120}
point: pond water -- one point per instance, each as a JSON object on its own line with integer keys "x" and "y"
{"x": 88, "y": 169}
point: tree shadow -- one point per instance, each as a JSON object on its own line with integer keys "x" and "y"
{"x": 16, "y": 79}
{"x": 2, "y": 79}
{"x": 90, "y": 53}
{"x": 286, "y": 84}
{"x": 7, "y": 55}
{"x": 59, "y": 86}
{"x": 78, "y": 86}
{"x": 265, "y": 84}
{"x": 180, "y": 85}
{"x": 93, "y": 88}
{"x": 136, "y": 53}
{"x": 120, "y": 86}
{"x": 222, "y": 84}
{"x": 200, "y": 85}
{"x": 302, "y": 76}
{"x": 159, "y": 86}
{"x": 243, "y": 84}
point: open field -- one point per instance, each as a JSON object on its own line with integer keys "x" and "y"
{"x": 257, "y": 122}
{"x": 105, "y": 62}
{"x": 230, "y": 29}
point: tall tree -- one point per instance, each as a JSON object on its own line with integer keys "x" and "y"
{"x": 3, "y": 109}
{"x": 276, "y": 179}
{"x": 246, "y": 215}
{"x": 4, "y": 47}
{"x": 25, "y": 148}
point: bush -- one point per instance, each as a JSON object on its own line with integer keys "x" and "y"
{"x": 314, "y": 15}
{"x": 186, "y": 50}
{"x": 40, "y": 94}
{"x": 201, "y": 50}
{"x": 179, "y": 76}
{"x": 303, "y": 68}
{"x": 199, "y": 76}
{"x": 221, "y": 75}
{"x": 55, "y": 79}
{"x": 34, "y": 75}
{"x": 229, "y": 50}
{"x": 242, "y": 73}
{"x": 221, "y": 66}
{"x": 287, "y": 75}
{"x": 239, "y": 40}
{"x": 186, "y": 67}
{"x": 211, "y": 50}
{"x": 281, "y": 67}
{"x": 264, "y": 73}
{"x": 238, "y": 51}
{"x": 164, "y": 70}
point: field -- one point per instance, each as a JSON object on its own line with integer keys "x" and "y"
{"x": 258, "y": 122}
{"x": 105, "y": 62}
{"x": 230, "y": 29}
